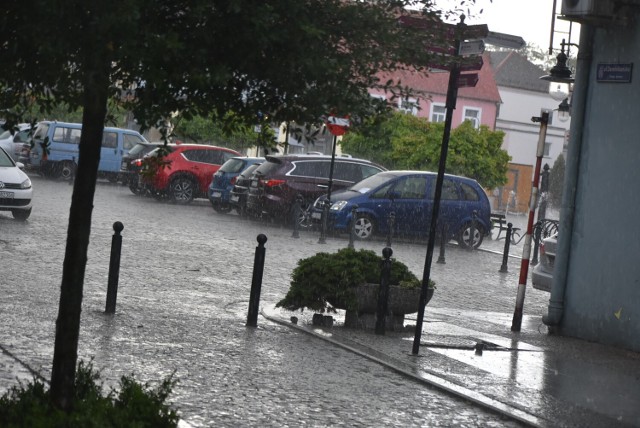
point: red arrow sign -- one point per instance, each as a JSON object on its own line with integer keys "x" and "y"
{"x": 467, "y": 80}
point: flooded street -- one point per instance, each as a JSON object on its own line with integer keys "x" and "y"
{"x": 182, "y": 303}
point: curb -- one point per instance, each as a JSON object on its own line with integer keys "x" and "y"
{"x": 421, "y": 376}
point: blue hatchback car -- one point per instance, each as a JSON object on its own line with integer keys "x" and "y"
{"x": 409, "y": 195}
{"x": 223, "y": 180}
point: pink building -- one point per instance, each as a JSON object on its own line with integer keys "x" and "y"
{"x": 479, "y": 104}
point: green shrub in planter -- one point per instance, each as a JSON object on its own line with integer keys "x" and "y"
{"x": 135, "y": 405}
{"x": 334, "y": 277}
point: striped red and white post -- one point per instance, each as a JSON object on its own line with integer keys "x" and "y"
{"x": 533, "y": 203}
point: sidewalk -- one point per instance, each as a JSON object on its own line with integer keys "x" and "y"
{"x": 539, "y": 380}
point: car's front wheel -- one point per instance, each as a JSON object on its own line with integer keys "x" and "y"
{"x": 465, "y": 238}
{"x": 363, "y": 227}
{"x": 67, "y": 170}
{"x": 182, "y": 190}
{"x": 21, "y": 215}
{"x": 135, "y": 189}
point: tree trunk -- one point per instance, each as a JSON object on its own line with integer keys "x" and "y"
{"x": 65, "y": 354}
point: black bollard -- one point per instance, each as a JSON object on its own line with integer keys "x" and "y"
{"x": 114, "y": 268}
{"x": 472, "y": 230}
{"x": 297, "y": 208}
{"x": 323, "y": 227}
{"x": 256, "y": 282}
{"x": 507, "y": 243}
{"x": 352, "y": 227}
{"x": 383, "y": 292}
{"x": 391, "y": 222}
{"x": 443, "y": 242}
{"x": 537, "y": 237}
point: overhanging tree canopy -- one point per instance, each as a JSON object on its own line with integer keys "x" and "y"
{"x": 295, "y": 59}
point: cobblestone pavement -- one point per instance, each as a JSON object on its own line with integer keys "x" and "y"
{"x": 184, "y": 284}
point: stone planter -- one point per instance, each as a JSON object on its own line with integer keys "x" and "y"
{"x": 401, "y": 301}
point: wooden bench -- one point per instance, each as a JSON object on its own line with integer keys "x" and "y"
{"x": 500, "y": 221}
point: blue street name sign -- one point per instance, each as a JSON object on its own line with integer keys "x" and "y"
{"x": 618, "y": 73}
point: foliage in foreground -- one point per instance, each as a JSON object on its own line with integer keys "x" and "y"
{"x": 135, "y": 405}
{"x": 327, "y": 276}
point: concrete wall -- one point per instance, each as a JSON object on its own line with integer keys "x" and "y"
{"x": 602, "y": 299}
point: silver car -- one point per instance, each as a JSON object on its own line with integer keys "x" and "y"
{"x": 542, "y": 275}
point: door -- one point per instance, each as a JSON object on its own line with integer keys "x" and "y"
{"x": 109, "y": 156}
{"x": 452, "y": 209}
{"x": 410, "y": 205}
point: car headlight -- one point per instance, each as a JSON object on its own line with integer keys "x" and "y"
{"x": 337, "y": 206}
{"x": 26, "y": 184}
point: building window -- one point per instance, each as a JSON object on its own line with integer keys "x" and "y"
{"x": 547, "y": 149}
{"x": 546, "y": 110}
{"x": 472, "y": 115}
{"x": 408, "y": 105}
{"x": 438, "y": 112}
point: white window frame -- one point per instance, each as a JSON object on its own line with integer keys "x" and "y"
{"x": 475, "y": 120}
{"x": 435, "y": 117}
{"x": 410, "y": 101}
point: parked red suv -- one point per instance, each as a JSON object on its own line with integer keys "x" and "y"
{"x": 184, "y": 173}
{"x": 280, "y": 179}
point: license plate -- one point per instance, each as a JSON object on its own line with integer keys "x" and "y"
{"x": 235, "y": 198}
{"x": 6, "y": 195}
{"x": 216, "y": 194}
{"x": 317, "y": 216}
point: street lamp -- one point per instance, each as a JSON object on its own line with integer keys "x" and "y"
{"x": 560, "y": 82}
{"x": 564, "y": 110}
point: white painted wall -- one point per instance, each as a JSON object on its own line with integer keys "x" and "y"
{"x": 521, "y": 134}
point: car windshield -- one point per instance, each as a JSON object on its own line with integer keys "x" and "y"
{"x": 268, "y": 167}
{"x": 5, "y": 159}
{"x": 372, "y": 182}
{"x": 247, "y": 172}
{"x": 5, "y": 135}
{"x": 233, "y": 165}
{"x": 138, "y": 149}
{"x": 41, "y": 132}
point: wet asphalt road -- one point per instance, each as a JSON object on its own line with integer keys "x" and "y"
{"x": 182, "y": 303}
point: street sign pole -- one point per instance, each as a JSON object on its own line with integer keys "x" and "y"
{"x": 452, "y": 94}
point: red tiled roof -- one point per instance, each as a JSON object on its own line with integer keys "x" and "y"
{"x": 436, "y": 82}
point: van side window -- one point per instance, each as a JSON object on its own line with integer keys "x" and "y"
{"x": 317, "y": 169}
{"x": 382, "y": 192}
{"x": 67, "y": 135}
{"x": 368, "y": 171}
{"x": 130, "y": 140}
{"x": 213, "y": 157}
{"x": 194, "y": 155}
{"x": 449, "y": 190}
{"x": 347, "y": 171}
{"x": 412, "y": 188}
{"x": 110, "y": 140}
{"x": 469, "y": 193}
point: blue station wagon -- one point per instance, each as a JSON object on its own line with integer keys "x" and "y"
{"x": 409, "y": 195}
